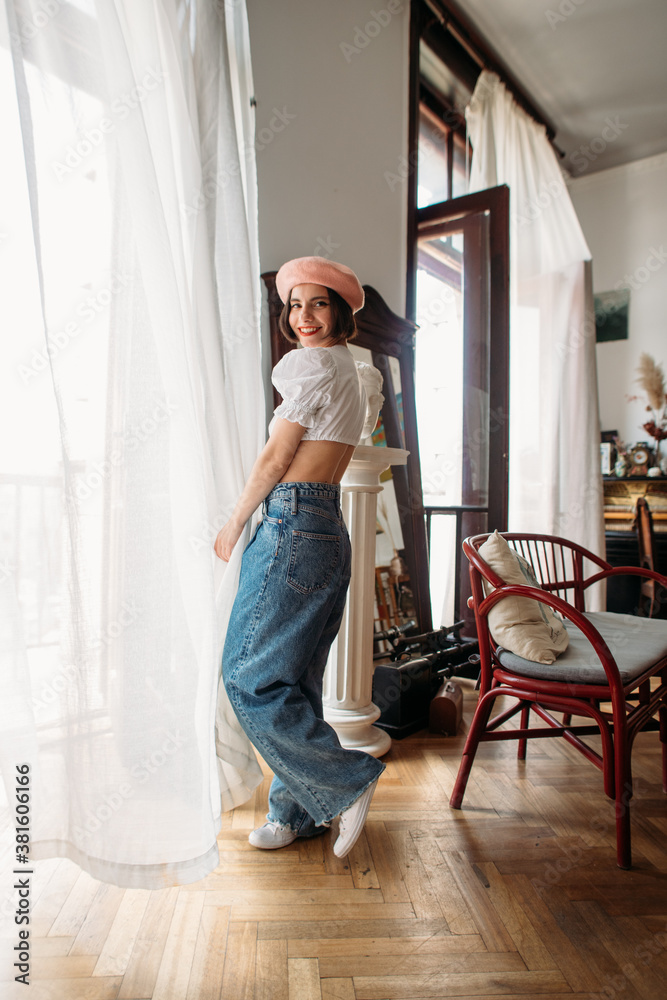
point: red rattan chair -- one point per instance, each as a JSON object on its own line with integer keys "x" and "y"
{"x": 584, "y": 680}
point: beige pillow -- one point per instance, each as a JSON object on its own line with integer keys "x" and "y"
{"x": 523, "y": 626}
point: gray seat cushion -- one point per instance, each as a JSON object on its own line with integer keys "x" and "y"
{"x": 635, "y": 643}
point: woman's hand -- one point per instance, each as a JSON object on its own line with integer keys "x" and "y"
{"x": 227, "y": 538}
{"x": 272, "y": 462}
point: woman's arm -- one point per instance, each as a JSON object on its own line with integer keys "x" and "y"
{"x": 271, "y": 465}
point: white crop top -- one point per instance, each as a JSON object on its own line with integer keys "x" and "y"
{"x": 329, "y": 393}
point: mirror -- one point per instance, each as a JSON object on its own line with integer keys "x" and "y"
{"x": 393, "y": 585}
{"x": 386, "y": 340}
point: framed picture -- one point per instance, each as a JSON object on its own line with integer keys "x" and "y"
{"x": 606, "y": 458}
{"x": 611, "y": 315}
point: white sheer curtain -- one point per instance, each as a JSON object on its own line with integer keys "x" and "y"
{"x": 555, "y": 483}
{"x": 132, "y": 411}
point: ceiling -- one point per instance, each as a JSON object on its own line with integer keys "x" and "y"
{"x": 597, "y": 68}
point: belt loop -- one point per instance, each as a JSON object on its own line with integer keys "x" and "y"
{"x": 295, "y": 502}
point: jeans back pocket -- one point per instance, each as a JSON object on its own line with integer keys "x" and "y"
{"x": 313, "y": 561}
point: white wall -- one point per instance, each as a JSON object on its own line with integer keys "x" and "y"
{"x": 331, "y": 122}
{"x": 623, "y": 213}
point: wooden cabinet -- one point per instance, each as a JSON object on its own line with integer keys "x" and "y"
{"x": 620, "y": 499}
{"x": 623, "y": 591}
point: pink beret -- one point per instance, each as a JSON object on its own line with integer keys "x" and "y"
{"x": 320, "y": 271}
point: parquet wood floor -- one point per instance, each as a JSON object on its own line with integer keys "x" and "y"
{"x": 516, "y": 896}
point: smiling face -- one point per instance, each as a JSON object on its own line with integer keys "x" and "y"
{"x": 310, "y": 315}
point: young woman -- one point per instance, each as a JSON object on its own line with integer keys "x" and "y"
{"x": 296, "y": 569}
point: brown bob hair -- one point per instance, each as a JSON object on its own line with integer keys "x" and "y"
{"x": 343, "y": 323}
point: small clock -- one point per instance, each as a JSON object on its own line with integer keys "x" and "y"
{"x": 639, "y": 459}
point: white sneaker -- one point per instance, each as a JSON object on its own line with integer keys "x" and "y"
{"x": 272, "y": 836}
{"x": 352, "y": 822}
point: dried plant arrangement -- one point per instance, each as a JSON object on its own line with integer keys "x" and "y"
{"x": 651, "y": 379}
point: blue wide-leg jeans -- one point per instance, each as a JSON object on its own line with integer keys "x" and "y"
{"x": 294, "y": 579}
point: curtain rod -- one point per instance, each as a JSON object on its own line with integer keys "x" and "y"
{"x": 466, "y": 34}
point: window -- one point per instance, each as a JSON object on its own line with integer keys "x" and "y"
{"x": 458, "y": 286}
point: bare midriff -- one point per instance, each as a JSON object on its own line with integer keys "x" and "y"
{"x": 318, "y": 462}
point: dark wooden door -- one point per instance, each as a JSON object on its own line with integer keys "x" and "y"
{"x": 463, "y": 263}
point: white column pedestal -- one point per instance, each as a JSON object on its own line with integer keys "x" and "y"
{"x": 348, "y": 679}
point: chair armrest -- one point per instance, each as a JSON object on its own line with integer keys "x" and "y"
{"x": 649, "y": 574}
{"x": 567, "y": 611}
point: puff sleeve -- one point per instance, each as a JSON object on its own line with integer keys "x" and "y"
{"x": 305, "y": 379}
{"x": 371, "y": 380}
